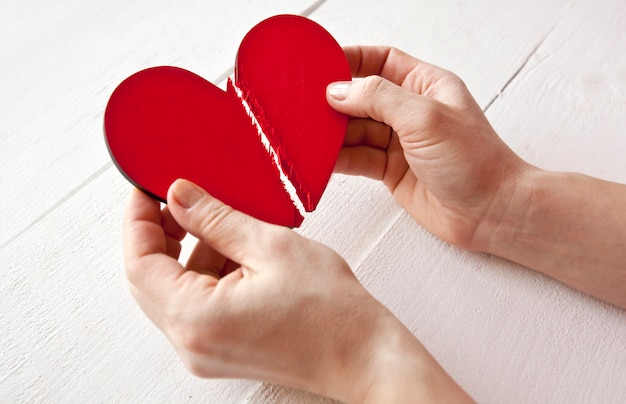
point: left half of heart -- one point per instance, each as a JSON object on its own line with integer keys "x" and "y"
{"x": 165, "y": 123}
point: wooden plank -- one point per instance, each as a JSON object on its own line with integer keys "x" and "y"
{"x": 484, "y": 42}
{"x": 60, "y": 64}
{"x": 565, "y": 110}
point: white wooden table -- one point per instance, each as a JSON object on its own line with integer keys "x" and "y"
{"x": 551, "y": 75}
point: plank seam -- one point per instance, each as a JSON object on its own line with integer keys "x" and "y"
{"x": 518, "y": 71}
{"x": 369, "y": 250}
{"x": 60, "y": 202}
{"x": 312, "y": 8}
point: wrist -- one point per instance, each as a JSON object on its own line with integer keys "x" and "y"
{"x": 393, "y": 366}
{"x": 562, "y": 225}
{"x": 507, "y": 214}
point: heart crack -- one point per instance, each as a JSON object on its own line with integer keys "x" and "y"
{"x": 285, "y": 178}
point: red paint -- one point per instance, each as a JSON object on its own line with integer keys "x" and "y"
{"x": 165, "y": 123}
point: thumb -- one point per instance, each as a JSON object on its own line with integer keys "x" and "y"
{"x": 233, "y": 234}
{"x": 374, "y": 97}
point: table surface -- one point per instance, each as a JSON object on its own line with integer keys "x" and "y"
{"x": 550, "y": 75}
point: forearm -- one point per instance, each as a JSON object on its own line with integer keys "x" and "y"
{"x": 568, "y": 226}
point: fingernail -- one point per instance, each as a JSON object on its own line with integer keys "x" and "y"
{"x": 339, "y": 90}
{"x": 185, "y": 193}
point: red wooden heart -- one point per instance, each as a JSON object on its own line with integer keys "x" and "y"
{"x": 165, "y": 123}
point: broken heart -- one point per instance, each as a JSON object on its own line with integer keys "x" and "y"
{"x": 266, "y": 146}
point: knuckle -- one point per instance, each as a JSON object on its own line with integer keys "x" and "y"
{"x": 454, "y": 82}
{"x": 133, "y": 272}
{"x": 324, "y": 257}
{"x": 195, "y": 367}
{"x": 213, "y": 216}
{"x": 377, "y": 98}
{"x": 395, "y": 52}
{"x": 452, "y": 79}
{"x": 373, "y": 86}
{"x": 196, "y": 346}
{"x": 368, "y": 162}
{"x": 191, "y": 339}
{"x": 280, "y": 240}
{"x": 198, "y": 366}
{"x": 433, "y": 116}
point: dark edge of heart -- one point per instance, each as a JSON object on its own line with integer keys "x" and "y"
{"x": 122, "y": 171}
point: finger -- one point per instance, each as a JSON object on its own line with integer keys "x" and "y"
{"x": 367, "y": 132}
{"x": 204, "y": 259}
{"x": 235, "y": 235}
{"x": 148, "y": 267}
{"x": 362, "y": 160}
{"x": 143, "y": 231}
{"x": 170, "y": 226}
{"x": 379, "y": 99}
{"x": 174, "y": 234}
{"x": 406, "y": 71}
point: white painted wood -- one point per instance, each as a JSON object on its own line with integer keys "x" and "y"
{"x": 565, "y": 111}
{"x": 71, "y": 332}
{"x": 484, "y": 41}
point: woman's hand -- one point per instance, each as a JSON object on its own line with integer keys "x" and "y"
{"x": 259, "y": 301}
{"x": 419, "y": 130}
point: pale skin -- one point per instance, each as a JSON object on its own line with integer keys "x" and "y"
{"x": 261, "y": 302}
{"x": 446, "y": 166}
